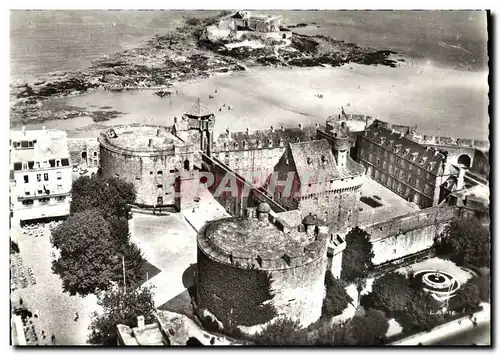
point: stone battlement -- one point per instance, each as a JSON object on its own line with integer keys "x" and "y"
{"x": 411, "y": 221}
{"x": 275, "y": 252}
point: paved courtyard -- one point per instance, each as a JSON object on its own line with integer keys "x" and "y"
{"x": 393, "y": 204}
{"x": 169, "y": 243}
{"x": 56, "y": 309}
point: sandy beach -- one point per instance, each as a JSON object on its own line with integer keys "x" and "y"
{"x": 440, "y": 101}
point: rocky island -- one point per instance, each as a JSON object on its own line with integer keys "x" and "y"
{"x": 189, "y": 52}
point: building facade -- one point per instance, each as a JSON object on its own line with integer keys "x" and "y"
{"x": 413, "y": 171}
{"x": 326, "y": 181}
{"x": 84, "y": 152}
{"x": 40, "y": 174}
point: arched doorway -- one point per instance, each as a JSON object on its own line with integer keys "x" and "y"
{"x": 186, "y": 165}
{"x": 84, "y": 157}
{"x": 464, "y": 159}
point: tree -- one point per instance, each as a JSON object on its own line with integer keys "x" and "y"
{"x": 85, "y": 253}
{"x": 89, "y": 256}
{"x": 483, "y": 282}
{"x": 369, "y": 329}
{"x": 420, "y": 313}
{"x": 467, "y": 298}
{"x": 282, "y": 331}
{"x": 357, "y": 256}
{"x": 110, "y": 195}
{"x": 391, "y": 293}
{"x": 336, "y": 299}
{"x": 120, "y": 308}
{"x": 466, "y": 241}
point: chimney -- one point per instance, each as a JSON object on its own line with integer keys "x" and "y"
{"x": 282, "y": 128}
{"x": 23, "y": 129}
{"x": 300, "y": 125}
{"x": 150, "y": 144}
{"x": 272, "y": 129}
{"x": 140, "y": 323}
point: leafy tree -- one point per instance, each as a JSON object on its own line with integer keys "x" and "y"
{"x": 281, "y": 332}
{"x": 336, "y": 299}
{"x": 466, "y": 241}
{"x": 85, "y": 253}
{"x": 357, "y": 256}
{"x": 120, "y": 308}
{"x": 467, "y": 298}
{"x": 483, "y": 282}
{"x": 109, "y": 195}
{"x": 369, "y": 329}
{"x": 420, "y": 313}
{"x": 90, "y": 256}
{"x": 391, "y": 293}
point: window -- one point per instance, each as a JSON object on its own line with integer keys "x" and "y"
{"x": 409, "y": 179}
{"x": 150, "y": 173}
{"x": 384, "y": 165}
{"x": 428, "y": 176}
{"x": 362, "y": 152}
{"x": 391, "y": 158}
{"x": 59, "y": 188}
{"x": 410, "y": 167}
{"x": 159, "y": 172}
{"x": 418, "y": 171}
{"x": 45, "y": 176}
{"x": 52, "y": 163}
{"x": 386, "y": 154}
{"x": 31, "y": 165}
{"x": 390, "y": 169}
{"x": 402, "y": 163}
{"x": 417, "y": 182}
{"x": 44, "y": 201}
{"x": 26, "y": 179}
{"x": 18, "y": 166}
{"x": 60, "y": 198}
{"x": 27, "y": 202}
{"x": 59, "y": 175}
{"x": 58, "y": 162}
{"x": 30, "y": 144}
{"x": 38, "y": 177}
{"x": 40, "y": 191}
{"x": 370, "y": 156}
{"x": 24, "y": 144}
{"x": 25, "y": 166}
{"x": 160, "y": 186}
{"x": 95, "y": 154}
{"x": 65, "y": 162}
{"x": 427, "y": 189}
{"x": 378, "y": 161}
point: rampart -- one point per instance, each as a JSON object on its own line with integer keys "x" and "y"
{"x": 410, "y": 233}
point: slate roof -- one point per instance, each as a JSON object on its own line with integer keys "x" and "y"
{"x": 427, "y": 158}
{"x": 198, "y": 110}
{"x": 236, "y": 140}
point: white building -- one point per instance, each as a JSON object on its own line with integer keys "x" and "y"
{"x": 40, "y": 172}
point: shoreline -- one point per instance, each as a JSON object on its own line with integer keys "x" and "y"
{"x": 177, "y": 56}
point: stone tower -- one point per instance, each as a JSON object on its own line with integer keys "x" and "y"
{"x": 341, "y": 144}
{"x": 200, "y": 118}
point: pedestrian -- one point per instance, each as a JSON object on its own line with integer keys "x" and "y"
{"x": 53, "y": 339}
{"x": 76, "y": 316}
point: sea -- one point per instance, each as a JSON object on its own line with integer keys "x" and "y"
{"x": 46, "y": 41}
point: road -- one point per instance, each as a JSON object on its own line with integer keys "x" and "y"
{"x": 481, "y": 335}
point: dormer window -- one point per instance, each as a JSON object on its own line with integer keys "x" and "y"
{"x": 391, "y": 142}
{"x": 382, "y": 140}
{"x": 25, "y": 166}
{"x": 424, "y": 159}
{"x": 235, "y": 145}
{"x": 414, "y": 156}
{"x": 245, "y": 145}
{"x": 281, "y": 142}
{"x": 259, "y": 144}
{"x": 270, "y": 143}
{"x": 225, "y": 146}
{"x": 407, "y": 150}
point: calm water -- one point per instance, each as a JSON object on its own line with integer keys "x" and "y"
{"x": 44, "y": 41}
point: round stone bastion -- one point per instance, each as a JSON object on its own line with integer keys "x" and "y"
{"x": 251, "y": 272}
{"x": 148, "y": 157}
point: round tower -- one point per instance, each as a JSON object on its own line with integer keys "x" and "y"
{"x": 200, "y": 118}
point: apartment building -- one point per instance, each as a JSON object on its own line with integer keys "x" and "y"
{"x": 40, "y": 174}
{"x": 413, "y": 171}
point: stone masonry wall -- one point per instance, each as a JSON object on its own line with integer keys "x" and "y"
{"x": 242, "y": 297}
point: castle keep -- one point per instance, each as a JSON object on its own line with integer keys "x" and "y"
{"x": 256, "y": 268}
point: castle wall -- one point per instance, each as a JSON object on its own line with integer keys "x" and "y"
{"x": 408, "y": 234}
{"x": 90, "y": 147}
{"x": 153, "y": 175}
{"x": 244, "y": 296}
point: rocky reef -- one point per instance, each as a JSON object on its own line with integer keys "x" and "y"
{"x": 183, "y": 54}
